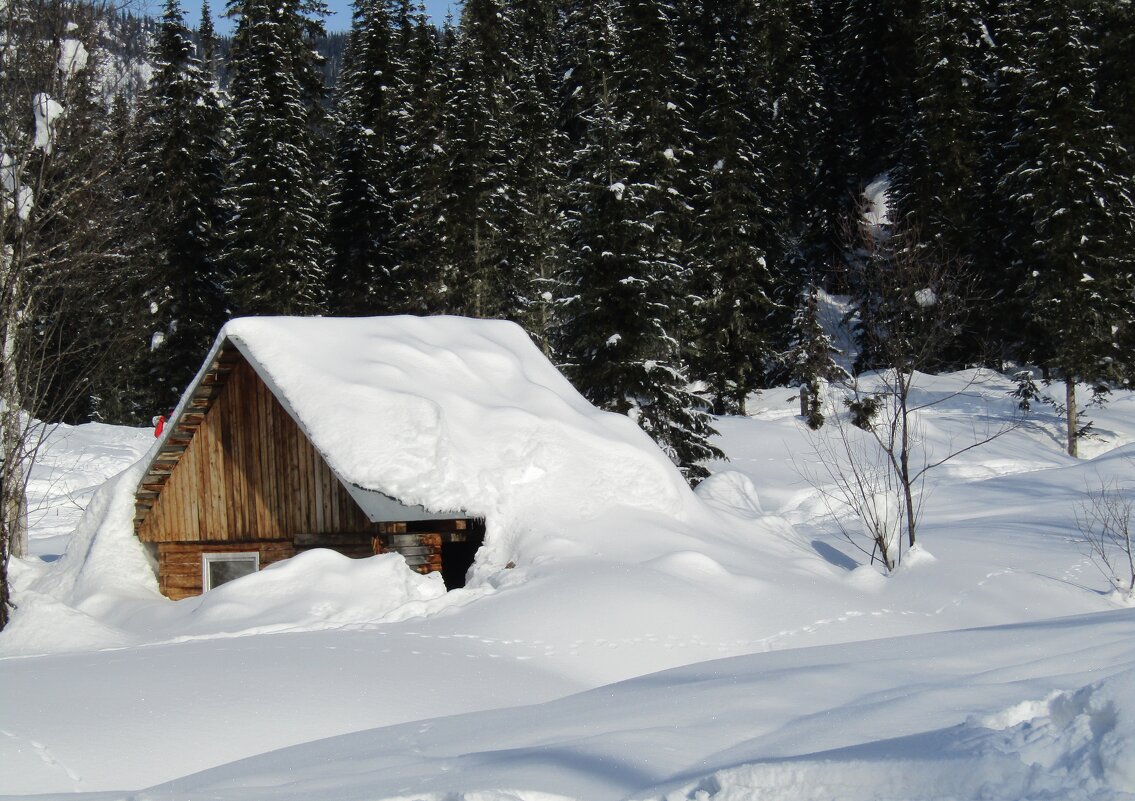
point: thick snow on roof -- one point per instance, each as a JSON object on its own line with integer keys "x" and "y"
{"x": 455, "y": 414}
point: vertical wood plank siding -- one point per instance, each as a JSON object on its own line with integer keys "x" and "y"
{"x": 249, "y": 473}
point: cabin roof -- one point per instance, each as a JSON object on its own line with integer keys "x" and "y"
{"x": 439, "y": 413}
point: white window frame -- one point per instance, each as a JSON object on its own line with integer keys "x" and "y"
{"x": 230, "y": 556}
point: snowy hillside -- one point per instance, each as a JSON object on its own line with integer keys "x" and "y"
{"x": 739, "y": 649}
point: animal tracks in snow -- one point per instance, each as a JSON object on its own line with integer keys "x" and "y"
{"x": 44, "y": 754}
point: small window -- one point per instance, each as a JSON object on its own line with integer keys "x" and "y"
{"x": 220, "y": 568}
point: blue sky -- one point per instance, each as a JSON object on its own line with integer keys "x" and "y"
{"x": 340, "y": 19}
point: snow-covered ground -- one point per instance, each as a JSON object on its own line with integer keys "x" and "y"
{"x": 739, "y": 649}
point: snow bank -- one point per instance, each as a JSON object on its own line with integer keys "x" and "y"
{"x": 933, "y": 717}
{"x": 313, "y": 590}
{"x": 1078, "y": 744}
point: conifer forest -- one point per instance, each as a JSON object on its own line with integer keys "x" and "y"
{"x": 658, "y": 191}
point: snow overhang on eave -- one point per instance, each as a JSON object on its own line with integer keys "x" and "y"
{"x": 381, "y": 508}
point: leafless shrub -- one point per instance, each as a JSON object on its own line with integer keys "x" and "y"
{"x": 1104, "y": 521}
{"x": 874, "y": 463}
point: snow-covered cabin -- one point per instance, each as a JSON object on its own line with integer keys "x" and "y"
{"x": 237, "y": 480}
{"x": 366, "y": 435}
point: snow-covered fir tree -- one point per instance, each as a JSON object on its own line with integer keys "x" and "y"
{"x": 419, "y": 177}
{"x": 1004, "y": 327}
{"x": 1114, "y": 23}
{"x": 274, "y": 250}
{"x": 810, "y": 359}
{"x": 936, "y": 183}
{"x": 876, "y": 61}
{"x": 178, "y": 175}
{"x": 779, "y": 40}
{"x": 933, "y": 186}
{"x": 537, "y": 168}
{"x": 1073, "y": 217}
{"x": 366, "y": 129}
{"x": 626, "y": 280}
{"x": 482, "y": 281}
{"x": 735, "y": 232}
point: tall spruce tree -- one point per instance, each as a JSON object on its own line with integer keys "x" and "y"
{"x": 482, "y": 281}
{"x": 178, "y": 178}
{"x": 781, "y": 70}
{"x": 833, "y": 185}
{"x": 359, "y": 212}
{"x": 934, "y": 188}
{"x": 811, "y": 358}
{"x": 420, "y": 173}
{"x": 1074, "y": 219}
{"x": 998, "y": 261}
{"x": 877, "y": 53}
{"x": 1114, "y": 21}
{"x": 536, "y": 171}
{"x": 274, "y": 250}
{"x": 625, "y": 282}
{"x": 736, "y": 231}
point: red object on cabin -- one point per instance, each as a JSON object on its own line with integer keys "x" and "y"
{"x": 159, "y": 425}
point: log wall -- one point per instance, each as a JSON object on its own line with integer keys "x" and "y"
{"x": 179, "y": 563}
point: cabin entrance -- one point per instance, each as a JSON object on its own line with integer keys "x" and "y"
{"x": 428, "y": 546}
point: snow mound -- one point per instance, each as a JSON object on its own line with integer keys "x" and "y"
{"x": 315, "y": 589}
{"x": 731, "y": 491}
{"x": 1083, "y": 738}
{"x": 1072, "y": 745}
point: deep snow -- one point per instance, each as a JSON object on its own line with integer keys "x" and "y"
{"x": 633, "y": 654}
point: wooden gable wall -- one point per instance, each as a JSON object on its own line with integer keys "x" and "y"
{"x": 250, "y": 474}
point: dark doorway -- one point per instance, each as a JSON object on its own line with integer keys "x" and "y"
{"x": 457, "y": 551}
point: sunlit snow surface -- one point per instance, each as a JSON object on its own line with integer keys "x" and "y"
{"x": 992, "y": 665}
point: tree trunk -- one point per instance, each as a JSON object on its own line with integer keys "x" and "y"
{"x": 5, "y": 602}
{"x": 904, "y": 459}
{"x": 15, "y": 519}
{"x": 1073, "y": 424}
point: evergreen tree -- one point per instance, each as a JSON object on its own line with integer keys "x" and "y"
{"x": 481, "y": 279}
{"x": 1073, "y": 213}
{"x": 778, "y": 42}
{"x": 934, "y": 186}
{"x": 1005, "y": 326}
{"x": 177, "y": 176}
{"x": 420, "y": 175}
{"x": 359, "y": 212}
{"x": 735, "y": 231}
{"x": 834, "y": 182}
{"x": 536, "y": 170}
{"x": 274, "y": 253}
{"x": 207, "y": 41}
{"x": 811, "y": 358}
{"x": 624, "y": 280}
{"x": 876, "y": 64}
{"x": 69, "y": 286}
{"x": 1114, "y": 22}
